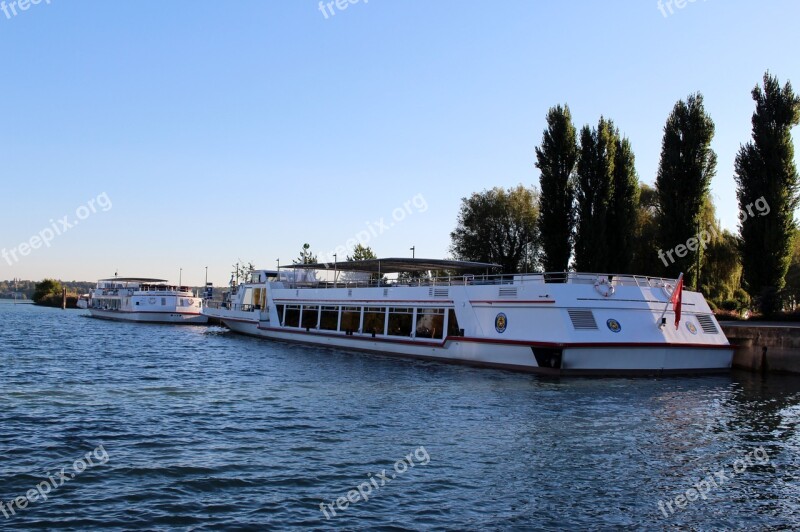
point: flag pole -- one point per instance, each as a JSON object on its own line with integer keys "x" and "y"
{"x": 660, "y": 322}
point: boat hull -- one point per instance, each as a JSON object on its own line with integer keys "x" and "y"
{"x": 149, "y": 317}
{"x": 518, "y": 356}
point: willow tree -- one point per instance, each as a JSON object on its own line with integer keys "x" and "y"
{"x": 766, "y": 176}
{"x": 595, "y": 192}
{"x": 556, "y": 158}
{"x": 684, "y": 179}
{"x": 498, "y": 226}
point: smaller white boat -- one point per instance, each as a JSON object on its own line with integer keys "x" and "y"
{"x": 83, "y": 301}
{"x": 145, "y": 300}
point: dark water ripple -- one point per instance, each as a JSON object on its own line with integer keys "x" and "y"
{"x": 209, "y": 431}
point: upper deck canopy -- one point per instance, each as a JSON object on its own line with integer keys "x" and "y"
{"x": 395, "y": 265}
{"x": 134, "y": 280}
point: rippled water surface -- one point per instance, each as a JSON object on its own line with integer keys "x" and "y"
{"x": 193, "y": 428}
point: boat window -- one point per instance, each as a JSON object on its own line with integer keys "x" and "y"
{"x": 329, "y": 319}
{"x": 400, "y": 321}
{"x": 351, "y": 318}
{"x": 374, "y": 320}
{"x": 163, "y": 301}
{"x": 310, "y": 316}
{"x": 292, "y": 316}
{"x": 430, "y": 323}
{"x": 452, "y": 324}
{"x": 279, "y": 309}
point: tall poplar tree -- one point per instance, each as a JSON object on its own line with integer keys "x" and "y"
{"x": 766, "y": 173}
{"x": 684, "y": 177}
{"x": 594, "y": 193}
{"x": 622, "y": 216}
{"x": 556, "y": 158}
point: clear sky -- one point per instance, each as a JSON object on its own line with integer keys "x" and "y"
{"x": 206, "y": 131}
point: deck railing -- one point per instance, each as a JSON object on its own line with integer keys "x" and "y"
{"x": 616, "y": 280}
{"x": 247, "y": 307}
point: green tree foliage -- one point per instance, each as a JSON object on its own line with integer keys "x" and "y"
{"x": 498, "y": 226}
{"x": 22, "y": 288}
{"x": 362, "y": 253}
{"x": 595, "y": 196}
{"x": 684, "y": 177}
{"x": 305, "y": 257}
{"x": 721, "y": 272}
{"x": 242, "y": 270}
{"x": 791, "y": 291}
{"x": 765, "y": 169}
{"x": 645, "y": 251}
{"x": 621, "y": 231}
{"x": 556, "y": 158}
{"x": 46, "y": 289}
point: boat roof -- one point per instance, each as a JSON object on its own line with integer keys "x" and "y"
{"x": 135, "y": 280}
{"x": 395, "y": 265}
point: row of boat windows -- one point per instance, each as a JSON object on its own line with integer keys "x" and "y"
{"x": 389, "y": 321}
{"x": 115, "y": 303}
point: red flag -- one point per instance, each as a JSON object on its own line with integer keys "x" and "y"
{"x": 677, "y": 300}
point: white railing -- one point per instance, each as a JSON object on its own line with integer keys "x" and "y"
{"x": 641, "y": 281}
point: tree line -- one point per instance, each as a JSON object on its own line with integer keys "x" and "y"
{"x": 592, "y": 214}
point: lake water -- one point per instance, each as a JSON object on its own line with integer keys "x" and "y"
{"x": 191, "y": 428}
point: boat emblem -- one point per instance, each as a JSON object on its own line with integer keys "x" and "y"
{"x": 691, "y": 326}
{"x": 500, "y": 323}
{"x": 614, "y": 325}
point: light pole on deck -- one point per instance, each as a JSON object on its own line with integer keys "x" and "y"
{"x": 334, "y": 269}
{"x": 413, "y": 251}
{"x": 180, "y": 277}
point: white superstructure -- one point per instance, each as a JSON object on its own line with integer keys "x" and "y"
{"x": 145, "y": 300}
{"x": 571, "y": 323}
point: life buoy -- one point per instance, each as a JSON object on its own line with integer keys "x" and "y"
{"x": 603, "y": 287}
{"x": 668, "y": 289}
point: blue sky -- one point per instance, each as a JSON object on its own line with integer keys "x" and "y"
{"x": 241, "y": 129}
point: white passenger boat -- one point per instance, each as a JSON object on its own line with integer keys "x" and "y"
{"x": 83, "y": 301}
{"x": 562, "y": 323}
{"x": 145, "y": 300}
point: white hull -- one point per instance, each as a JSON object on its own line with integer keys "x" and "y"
{"x": 149, "y": 317}
{"x": 579, "y": 360}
